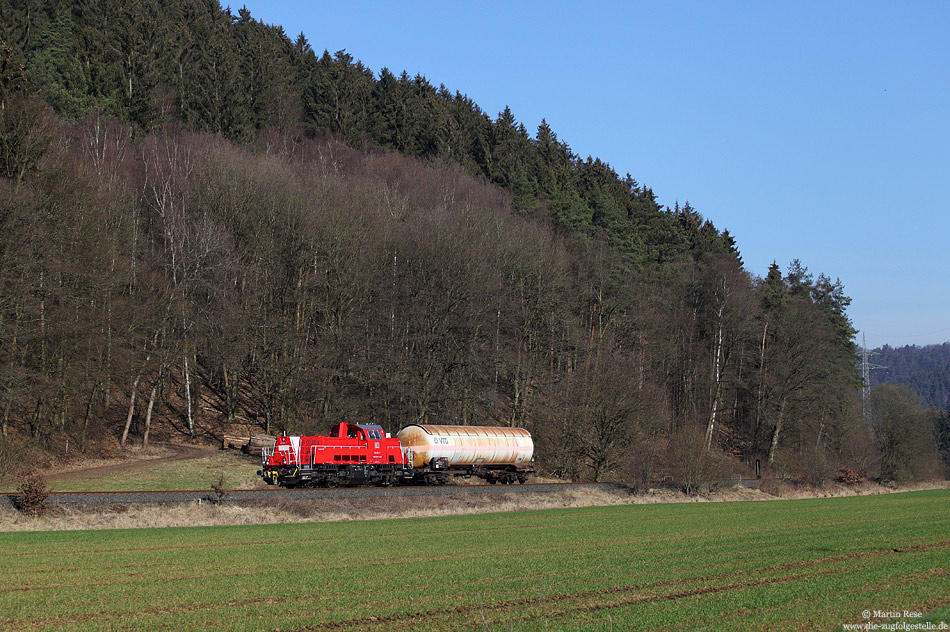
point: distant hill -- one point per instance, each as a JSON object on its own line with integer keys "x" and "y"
{"x": 924, "y": 369}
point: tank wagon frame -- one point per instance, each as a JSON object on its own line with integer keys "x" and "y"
{"x": 363, "y": 454}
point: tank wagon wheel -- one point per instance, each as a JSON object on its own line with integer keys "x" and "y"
{"x": 437, "y": 479}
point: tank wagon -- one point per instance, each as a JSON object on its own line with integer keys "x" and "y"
{"x": 498, "y": 455}
{"x": 363, "y": 454}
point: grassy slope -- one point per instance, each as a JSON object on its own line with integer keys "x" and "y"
{"x": 158, "y": 475}
{"x": 810, "y": 564}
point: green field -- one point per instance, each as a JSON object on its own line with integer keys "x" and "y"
{"x": 781, "y": 565}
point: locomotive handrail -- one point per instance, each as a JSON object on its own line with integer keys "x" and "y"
{"x": 266, "y": 453}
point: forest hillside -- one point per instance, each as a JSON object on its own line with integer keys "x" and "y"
{"x": 208, "y": 224}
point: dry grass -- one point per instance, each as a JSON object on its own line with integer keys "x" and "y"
{"x": 781, "y": 489}
{"x": 336, "y": 510}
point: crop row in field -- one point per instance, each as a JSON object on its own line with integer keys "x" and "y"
{"x": 733, "y": 566}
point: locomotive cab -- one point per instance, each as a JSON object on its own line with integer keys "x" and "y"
{"x": 344, "y": 430}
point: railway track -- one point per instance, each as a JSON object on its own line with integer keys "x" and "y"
{"x": 241, "y": 496}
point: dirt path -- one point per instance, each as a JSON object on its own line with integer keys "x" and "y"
{"x": 173, "y": 453}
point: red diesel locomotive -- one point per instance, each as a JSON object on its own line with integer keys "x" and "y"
{"x": 363, "y": 454}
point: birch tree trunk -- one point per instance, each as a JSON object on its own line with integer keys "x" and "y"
{"x": 777, "y": 430}
{"x": 148, "y": 414}
{"x": 191, "y": 420}
{"x": 128, "y": 419}
{"x": 717, "y": 381}
{"x": 759, "y": 396}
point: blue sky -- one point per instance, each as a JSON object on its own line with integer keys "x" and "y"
{"x": 811, "y": 130}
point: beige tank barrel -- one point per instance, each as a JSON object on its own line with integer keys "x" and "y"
{"x": 467, "y": 445}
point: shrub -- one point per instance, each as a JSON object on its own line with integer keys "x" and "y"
{"x": 33, "y": 492}
{"x": 108, "y": 446}
{"x": 777, "y": 488}
{"x": 699, "y": 470}
{"x": 849, "y": 477}
{"x": 639, "y": 465}
{"x": 220, "y": 489}
{"x": 18, "y": 458}
{"x": 815, "y": 467}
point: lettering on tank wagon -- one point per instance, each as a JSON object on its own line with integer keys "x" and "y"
{"x": 440, "y": 440}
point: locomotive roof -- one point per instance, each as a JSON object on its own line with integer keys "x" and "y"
{"x": 369, "y": 426}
